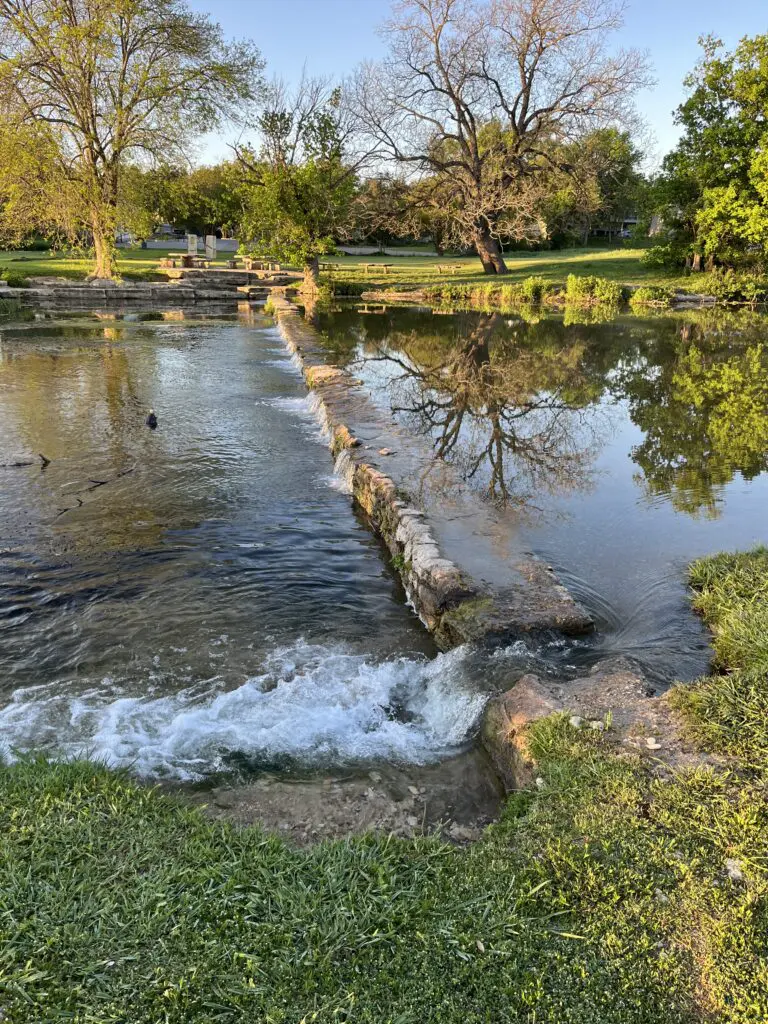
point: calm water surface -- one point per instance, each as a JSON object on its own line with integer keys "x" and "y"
{"x": 617, "y": 450}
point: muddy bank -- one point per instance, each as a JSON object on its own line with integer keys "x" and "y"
{"x": 430, "y": 551}
{"x": 456, "y": 798}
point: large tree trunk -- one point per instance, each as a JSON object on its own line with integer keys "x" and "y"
{"x": 311, "y": 275}
{"x": 489, "y": 251}
{"x": 104, "y": 218}
{"x": 102, "y": 244}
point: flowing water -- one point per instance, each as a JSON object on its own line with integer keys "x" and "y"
{"x": 200, "y": 597}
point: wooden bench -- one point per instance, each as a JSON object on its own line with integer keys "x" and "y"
{"x": 384, "y": 267}
{"x": 447, "y": 268}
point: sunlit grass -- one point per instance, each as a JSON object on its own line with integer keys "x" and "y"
{"x": 412, "y": 271}
{"x": 132, "y": 264}
{"x": 728, "y": 712}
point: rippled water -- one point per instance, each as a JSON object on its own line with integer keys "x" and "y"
{"x": 617, "y": 450}
{"x": 202, "y": 598}
{"x": 199, "y": 597}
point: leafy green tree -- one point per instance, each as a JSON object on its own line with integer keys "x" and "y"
{"x": 301, "y": 181}
{"x": 203, "y": 201}
{"x": 713, "y": 190}
{"x": 99, "y": 82}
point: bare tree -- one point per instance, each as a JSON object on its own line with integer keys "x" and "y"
{"x": 100, "y": 80}
{"x": 481, "y": 94}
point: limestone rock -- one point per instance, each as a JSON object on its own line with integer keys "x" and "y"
{"x": 504, "y": 724}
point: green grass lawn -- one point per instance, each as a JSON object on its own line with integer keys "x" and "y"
{"x": 411, "y": 272}
{"x": 407, "y": 272}
{"x": 607, "y": 896}
{"x": 132, "y": 264}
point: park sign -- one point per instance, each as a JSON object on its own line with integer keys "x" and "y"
{"x": 210, "y": 247}
{"x": 191, "y": 245}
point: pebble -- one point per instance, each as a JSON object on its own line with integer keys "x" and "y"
{"x": 374, "y": 776}
{"x": 385, "y": 451}
{"x": 597, "y": 725}
{"x": 652, "y": 743}
{"x": 540, "y": 783}
{"x": 412, "y": 820}
{"x": 733, "y": 867}
{"x": 414, "y": 790}
{"x": 576, "y": 721}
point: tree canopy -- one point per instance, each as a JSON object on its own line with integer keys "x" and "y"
{"x": 713, "y": 189}
{"x": 94, "y": 83}
{"x": 301, "y": 176}
{"x": 479, "y": 95}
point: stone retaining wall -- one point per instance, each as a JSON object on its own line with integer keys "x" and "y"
{"x": 453, "y": 607}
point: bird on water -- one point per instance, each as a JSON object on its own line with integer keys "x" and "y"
{"x": 151, "y": 420}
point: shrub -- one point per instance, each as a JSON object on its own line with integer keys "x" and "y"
{"x": 652, "y": 295}
{"x": 669, "y": 255}
{"x": 510, "y": 295}
{"x": 14, "y": 280}
{"x": 593, "y": 289}
{"x": 533, "y": 289}
{"x": 730, "y": 286}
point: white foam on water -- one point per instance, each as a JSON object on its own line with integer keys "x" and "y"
{"x": 301, "y": 408}
{"x": 313, "y": 703}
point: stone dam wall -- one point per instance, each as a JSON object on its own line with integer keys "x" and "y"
{"x": 453, "y": 606}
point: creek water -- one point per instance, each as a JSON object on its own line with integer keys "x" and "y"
{"x": 200, "y": 598}
{"x": 617, "y": 449}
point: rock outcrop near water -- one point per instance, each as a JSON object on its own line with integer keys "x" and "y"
{"x": 455, "y": 607}
{"x": 614, "y": 699}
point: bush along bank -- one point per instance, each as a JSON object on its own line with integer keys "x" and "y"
{"x": 576, "y": 292}
{"x": 534, "y": 293}
{"x": 610, "y": 892}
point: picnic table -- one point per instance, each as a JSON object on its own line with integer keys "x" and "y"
{"x": 446, "y": 268}
{"x": 385, "y": 267}
{"x": 261, "y": 264}
{"x": 194, "y": 262}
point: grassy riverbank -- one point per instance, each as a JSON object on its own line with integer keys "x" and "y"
{"x": 621, "y": 265}
{"x": 609, "y": 896}
{"x": 132, "y": 264}
{"x": 404, "y": 272}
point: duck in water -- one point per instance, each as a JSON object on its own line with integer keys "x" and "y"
{"x": 151, "y": 420}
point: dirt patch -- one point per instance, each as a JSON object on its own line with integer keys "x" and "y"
{"x": 456, "y": 798}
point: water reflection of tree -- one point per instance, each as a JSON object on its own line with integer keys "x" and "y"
{"x": 704, "y": 414}
{"x": 508, "y": 417}
{"x": 695, "y": 384}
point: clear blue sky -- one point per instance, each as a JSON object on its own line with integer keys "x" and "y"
{"x": 332, "y": 36}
